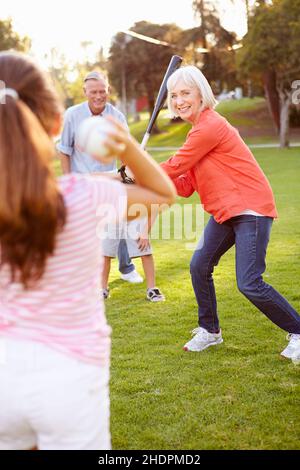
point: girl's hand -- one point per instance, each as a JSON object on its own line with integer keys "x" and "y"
{"x": 101, "y": 138}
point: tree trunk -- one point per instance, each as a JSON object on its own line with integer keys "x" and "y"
{"x": 247, "y": 12}
{"x": 269, "y": 78}
{"x": 285, "y": 106}
{"x": 201, "y": 10}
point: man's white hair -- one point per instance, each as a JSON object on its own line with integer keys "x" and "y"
{"x": 98, "y": 76}
{"x": 192, "y": 77}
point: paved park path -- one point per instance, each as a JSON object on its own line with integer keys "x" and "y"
{"x": 252, "y": 146}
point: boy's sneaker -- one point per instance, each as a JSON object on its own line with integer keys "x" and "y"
{"x": 293, "y": 348}
{"x": 202, "y": 339}
{"x": 132, "y": 277}
{"x": 296, "y": 358}
{"x": 105, "y": 293}
{"x": 155, "y": 295}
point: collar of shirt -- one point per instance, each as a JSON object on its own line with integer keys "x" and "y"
{"x": 104, "y": 112}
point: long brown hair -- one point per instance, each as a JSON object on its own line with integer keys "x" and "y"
{"x": 32, "y": 210}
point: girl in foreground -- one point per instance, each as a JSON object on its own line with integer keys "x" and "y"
{"x": 54, "y": 339}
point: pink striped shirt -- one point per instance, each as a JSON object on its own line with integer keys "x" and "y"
{"x": 65, "y": 310}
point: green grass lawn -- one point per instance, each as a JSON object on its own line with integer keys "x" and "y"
{"x": 238, "y": 395}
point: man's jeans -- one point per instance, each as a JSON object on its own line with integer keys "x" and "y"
{"x": 125, "y": 264}
{"x": 250, "y": 234}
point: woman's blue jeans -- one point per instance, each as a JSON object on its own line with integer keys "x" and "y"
{"x": 250, "y": 235}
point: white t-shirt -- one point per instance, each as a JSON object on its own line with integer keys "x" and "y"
{"x": 250, "y": 212}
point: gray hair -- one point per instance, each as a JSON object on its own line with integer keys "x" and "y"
{"x": 192, "y": 77}
{"x": 95, "y": 75}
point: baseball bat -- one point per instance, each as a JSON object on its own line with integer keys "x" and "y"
{"x": 161, "y": 97}
{"x": 174, "y": 64}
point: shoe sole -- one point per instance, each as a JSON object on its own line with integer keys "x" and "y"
{"x": 286, "y": 356}
{"x": 185, "y": 348}
{"x": 156, "y": 300}
{"x": 132, "y": 282}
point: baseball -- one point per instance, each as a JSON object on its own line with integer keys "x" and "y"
{"x": 91, "y": 137}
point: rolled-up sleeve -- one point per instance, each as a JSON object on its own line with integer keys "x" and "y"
{"x": 66, "y": 142}
{"x": 184, "y": 185}
{"x": 123, "y": 121}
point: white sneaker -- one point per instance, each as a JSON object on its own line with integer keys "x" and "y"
{"x": 202, "y": 340}
{"x": 293, "y": 348}
{"x": 132, "y": 277}
{"x": 296, "y": 358}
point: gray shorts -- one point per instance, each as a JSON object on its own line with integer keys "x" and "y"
{"x": 128, "y": 231}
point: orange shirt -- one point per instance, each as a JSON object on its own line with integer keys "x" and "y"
{"x": 215, "y": 162}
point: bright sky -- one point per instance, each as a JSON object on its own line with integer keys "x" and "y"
{"x": 65, "y": 24}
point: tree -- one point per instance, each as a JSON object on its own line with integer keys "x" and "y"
{"x": 68, "y": 77}
{"x": 218, "y": 64}
{"x": 269, "y": 78}
{"x": 271, "y": 48}
{"x": 59, "y": 69}
{"x": 137, "y": 67}
{"x": 9, "y": 39}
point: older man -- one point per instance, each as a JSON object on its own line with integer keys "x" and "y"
{"x": 96, "y": 90}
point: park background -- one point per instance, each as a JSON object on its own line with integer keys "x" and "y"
{"x": 240, "y": 395}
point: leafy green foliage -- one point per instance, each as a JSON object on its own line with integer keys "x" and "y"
{"x": 273, "y": 40}
{"x": 218, "y": 65}
{"x": 9, "y": 39}
{"x": 271, "y": 48}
